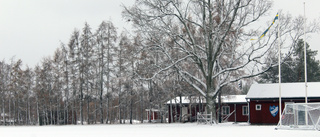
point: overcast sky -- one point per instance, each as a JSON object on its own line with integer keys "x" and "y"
{"x": 33, "y": 29}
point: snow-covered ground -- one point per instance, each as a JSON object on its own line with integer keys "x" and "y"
{"x": 154, "y": 130}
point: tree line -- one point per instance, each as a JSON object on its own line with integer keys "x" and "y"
{"x": 94, "y": 78}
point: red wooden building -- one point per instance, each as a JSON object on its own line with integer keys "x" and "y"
{"x": 234, "y": 108}
{"x": 185, "y": 108}
{"x": 264, "y": 99}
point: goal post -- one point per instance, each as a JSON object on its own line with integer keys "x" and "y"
{"x": 294, "y": 116}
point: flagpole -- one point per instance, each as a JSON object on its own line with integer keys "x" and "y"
{"x": 279, "y": 61}
{"x": 305, "y": 60}
{"x": 305, "y": 54}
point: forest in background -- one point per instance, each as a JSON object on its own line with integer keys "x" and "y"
{"x": 94, "y": 78}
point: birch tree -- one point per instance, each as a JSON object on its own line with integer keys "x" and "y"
{"x": 212, "y": 36}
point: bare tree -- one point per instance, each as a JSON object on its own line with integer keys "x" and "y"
{"x": 28, "y": 79}
{"x": 85, "y": 60}
{"x": 106, "y": 37}
{"x": 212, "y": 36}
{"x": 4, "y": 87}
{"x": 66, "y": 80}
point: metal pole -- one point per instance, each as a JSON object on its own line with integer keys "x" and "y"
{"x": 305, "y": 61}
{"x": 279, "y": 61}
{"x": 305, "y": 56}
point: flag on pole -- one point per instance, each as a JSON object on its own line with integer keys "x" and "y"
{"x": 265, "y": 32}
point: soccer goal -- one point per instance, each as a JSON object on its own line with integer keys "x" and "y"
{"x": 300, "y": 116}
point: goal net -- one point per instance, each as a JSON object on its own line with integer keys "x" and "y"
{"x": 300, "y": 116}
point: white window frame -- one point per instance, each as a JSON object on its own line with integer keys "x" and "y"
{"x": 225, "y": 111}
{"x": 245, "y": 109}
{"x": 258, "y": 106}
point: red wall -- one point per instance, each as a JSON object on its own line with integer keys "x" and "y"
{"x": 240, "y": 117}
{"x": 264, "y": 116}
{"x": 195, "y": 108}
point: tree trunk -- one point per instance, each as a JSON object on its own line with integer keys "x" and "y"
{"x": 67, "y": 93}
{"x": 200, "y": 106}
{"x": 150, "y": 100}
{"x": 51, "y": 111}
{"x": 141, "y": 106}
{"x": 108, "y": 111}
{"x": 171, "y": 113}
{"x": 101, "y": 86}
{"x": 58, "y": 115}
{"x": 72, "y": 113}
{"x": 81, "y": 105}
{"x": 27, "y": 112}
{"x": 161, "y": 118}
{"x": 3, "y": 110}
{"x": 101, "y": 108}
{"x": 176, "y": 110}
{"x": 219, "y": 107}
{"x": 74, "y": 120}
{"x": 88, "y": 113}
{"x": 14, "y": 112}
{"x": 65, "y": 113}
{"x": 96, "y": 109}
{"x": 10, "y": 110}
{"x": 112, "y": 115}
{"x": 211, "y": 106}
{"x": 38, "y": 112}
{"x": 47, "y": 116}
{"x": 119, "y": 102}
{"x": 180, "y": 105}
{"x": 131, "y": 105}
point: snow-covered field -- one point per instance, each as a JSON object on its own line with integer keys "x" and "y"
{"x": 154, "y": 130}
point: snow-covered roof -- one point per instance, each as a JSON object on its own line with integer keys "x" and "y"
{"x": 186, "y": 100}
{"x": 233, "y": 99}
{"x": 288, "y": 90}
{"x": 224, "y": 99}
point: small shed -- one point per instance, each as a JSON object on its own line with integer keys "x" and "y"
{"x": 264, "y": 99}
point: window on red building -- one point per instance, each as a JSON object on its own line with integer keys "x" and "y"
{"x": 245, "y": 110}
{"x": 225, "y": 110}
{"x": 258, "y": 107}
